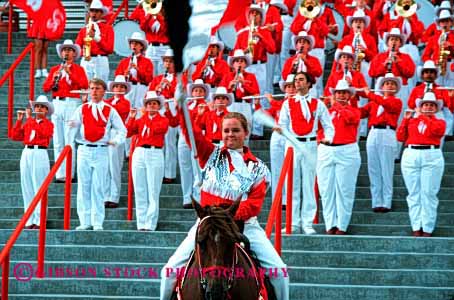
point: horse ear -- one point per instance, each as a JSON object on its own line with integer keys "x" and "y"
{"x": 234, "y": 207}
{"x": 198, "y": 208}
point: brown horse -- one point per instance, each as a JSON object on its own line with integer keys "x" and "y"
{"x": 220, "y": 268}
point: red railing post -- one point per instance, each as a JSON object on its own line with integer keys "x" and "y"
{"x": 42, "y": 236}
{"x": 126, "y": 9}
{"x": 130, "y": 182}
{"x": 10, "y": 103}
{"x": 288, "y": 211}
{"x": 5, "y": 277}
{"x": 32, "y": 73}
{"x": 10, "y": 29}
{"x": 67, "y": 207}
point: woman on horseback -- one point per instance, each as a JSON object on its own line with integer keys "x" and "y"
{"x": 231, "y": 172}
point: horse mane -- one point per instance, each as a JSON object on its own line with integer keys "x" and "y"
{"x": 219, "y": 221}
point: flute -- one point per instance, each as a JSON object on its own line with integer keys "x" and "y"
{"x": 88, "y": 92}
{"x": 263, "y": 96}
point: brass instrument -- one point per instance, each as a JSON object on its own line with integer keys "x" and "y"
{"x": 359, "y": 55}
{"x": 443, "y": 53}
{"x": 406, "y": 8}
{"x": 87, "y": 40}
{"x": 389, "y": 62}
{"x": 251, "y": 42}
{"x": 152, "y": 7}
{"x": 308, "y": 10}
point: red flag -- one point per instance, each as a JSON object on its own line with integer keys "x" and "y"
{"x": 235, "y": 8}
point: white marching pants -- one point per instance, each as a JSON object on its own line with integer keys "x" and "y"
{"x": 188, "y": 172}
{"x": 286, "y": 41}
{"x": 96, "y": 67}
{"x": 92, "y": 170}
{"x": 63, "y": 113}
{"x": 260, "y": 244}
{"x": 304, "y": 163}
{"x": 260, "y": 72}
{"x": 116, "y": 158}
{"x": 34, "y": 167}
{"x": 272, "y": 62}
{"x": 147, "y": 173}
{"x": 277, "y": 154}
{"x": 320, "y": 54}
{"x": 136, "y": 95}
{"x": 337, "y": 172}
{"x": 155, "y": 53}
{"x": 170, "y": 148}
{"x": 422, "y": 171}
{"x": 381, "y": 148}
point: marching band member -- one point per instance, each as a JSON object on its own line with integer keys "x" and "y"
{"x": 211, "y": 122}
{"x": 117, "y": 153}
{"x": 287, "y": 19}
{"x": 212, "y": 68}
{"x": 137, "y": 69}
{"x": 224, "y": 167}
{"x": 153, "y": 23}
{"x": 302, "y": 61}
{"x": 148, "y": 160}
{"x": 241, "y": 83}
{"x": 91, "y": 128}
{"x": 97, "y": 41}
{"x": 35, "y": 133}
{"x": 428, "y": 74}
{"x": 359, "y": 8}
{"x": 257, "y": 42}
{"x": 275, "y": 67}
{"x": 422, "y": 162}
{"x": 187, "y": 163}
{"x": 434, "y": 28}
{"x": 277, "y": 141}
{"x": 165, "y": 85}
{"x": 338, "y": 162}
{"x": 301, "y": 115}
{"x": 383, "y": 111}
{"x": 62, "y": 80}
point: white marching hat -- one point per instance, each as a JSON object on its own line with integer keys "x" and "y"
{"x": 342, "y": 85}
{"x": 429, "y": 97}
{"x": 289, "y": 80}
{"x": 444, "y": 14}
{"x": 444, "y": 5}
{"x": 390, "y": 77}
{"x": 257, "y": 8}
{"x": 280, "y": 4}
{"x": 358, "y": 15}
{"x": 239, "y": 53}
{"x": 151, "y": 95}
{"x": 428, "y": 64}
{"x": 222, "y": 91}
{"x": 139, "y": 37}
{"x": 120, "y": 79}
{"x": 348, "y": 50}
{"x": 68, "y": 44}
{"x": 303, "y": 35}
{"x": 42, "y": 100}
{"x": 198, "y": 83}
{"x": 97, "y": 4}
{"x": 215, "y": 41}
{"x": 394, "y": 32}
{"x": 168, "y": 53}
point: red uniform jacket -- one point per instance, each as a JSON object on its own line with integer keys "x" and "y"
{"x": 146, "y": 22}
{"x": 357, "y": 81}
{"x": 149, "y": 131}
{"x": 77, "y": 81}
{"x": 290, "y": 5}
{"x": 167, "y": 91}
{"x": 121, "y": 105}
{"x": 371, "y": 44}
{"x": 249, "y": 88}
{"x": 313, "y": 66}
{"x": 264, "y": 45}
{"x": 144, "y": 70}
{"x": 104, "y": 46}
{"x": 211, "y": 72}
{"x": 419, "y": 90}
{"x": 345, "y": 121}
{"x": 275, "y": 108}
{"x": 389, "y": 113}
{"x": 318, "y": 29}
{"x": 422, "y": 130}
{"x": 371, "y": 29}
{"x": 417, "y": 27}
{"x": 430, "y": 32}
{"x": 33, "y": 133}
{"x": 328, "y": 17}
{"x": 432, "y": 49}
{"x": 211, "y": 122}
{"x": 404, "y": 67}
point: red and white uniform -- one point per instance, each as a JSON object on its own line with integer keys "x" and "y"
{"x": 370, "y": 30}
{"x": 65, "y": 104}
{"x": 211, "y": 123}
{"x": 148, "y": 166}
{"x": 117, "y": 153}
{"x": 309, "y": 64}
{"x": 420, "y": 164}
{"x": 383, "y": 115}
{"x": 432, "y": 52}
{"x": 287, "y": 33}
{"x": 139, "y": 77}
{"x": 338, "y": 166}
{"x": 223, "y": 167}
{"x": 411, "y": 27}
{"x": 101, "y": 47}
{"x": 34, "y": 161}
{"x": 92, "y": 125}
{"x": 302, "y": 115}
{"x": 357, "y": 81}
{"x": 211, "y": 70}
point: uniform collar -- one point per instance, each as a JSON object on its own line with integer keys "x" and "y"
{"x": 247, "y": 154}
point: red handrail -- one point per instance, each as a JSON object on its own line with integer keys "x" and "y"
{"x": 124, "y": 5}
{"x": 130, "y": 183}
{"x": 10, "y": 29}
{"x": 41, "y": 195}
{"x": 30, "y": 48}
{"x": 275, "y": 216}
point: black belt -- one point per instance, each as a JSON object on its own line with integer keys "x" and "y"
{"x": 306, "y": 139}
{"x": 136, "y": 83}
{"x": 383, "y": 127}
{"x": 158, "y": 44}
{"x": 333, "y": 145}
{"x": 35, "y": 147}
{"x": 423, "y": 147}
{"x": 239, "y": 100}
{"x": 258, "y": 62}
{"x": 99, "y": 55}
{"x": 92, "y": 145}
{"x": 150, "y": 146}
{"x": 215, "y": 141}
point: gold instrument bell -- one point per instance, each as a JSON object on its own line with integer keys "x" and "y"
{"x": 152, "y": 7}
{"x": 310, "y": 8}
{"x": 406, "y": 8}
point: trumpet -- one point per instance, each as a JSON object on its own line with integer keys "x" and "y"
{"x": 443, "y": 53}
{"x": 308, "y": 10}
{"x": 152, "y": 7}
{"x": 60, "y": 73}
{"x": 406, "y": 8}
{"x": 87, "y": 40}
{"x": 251, "y": 42}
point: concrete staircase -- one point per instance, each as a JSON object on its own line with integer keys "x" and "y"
{"x": 378, "y": 261}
